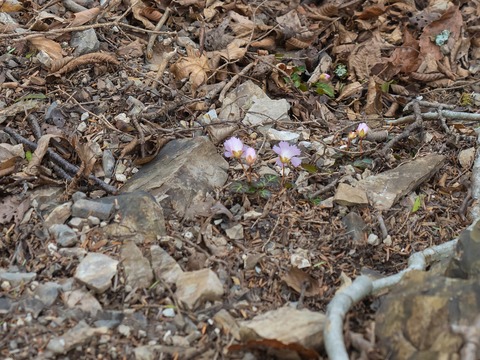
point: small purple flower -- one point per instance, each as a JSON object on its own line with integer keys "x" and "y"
{"x": 250, "y": 156}
{"x": 287, "y": 154}
{"x": 233, "y": 148}
{"x": 324, "y": 76}
{"x": 362, "y": 130}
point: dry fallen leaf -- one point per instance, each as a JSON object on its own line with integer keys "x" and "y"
{"x": 297, "y": 279}
{"x": 194, "y": 66}
{"x": 85, "y": 16}
{"x": 52, "y": 48}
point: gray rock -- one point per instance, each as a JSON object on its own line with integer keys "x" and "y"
{"x": 84, "y": 42}
{"x": 305, "y": 327}
{"x": 32, "y": 306}
{"x": 140, "y": 218}
{"x": 96, "y": 272}
{"x": 84, "y": 208}
{"x": 385, "y": 189}
{"x": 235, "y": 232}
{"x": 78, "y": 195}
{"x": 64, "y": 235}
{"x": 347, "y": 195}
{"x": 16, "y": 279}
{"x": 5, "y": 305}
{"x": 58, "y": 215}
{"x": 195, "y": 287}
{"x": 83, "y": 300}
{"x": 283, "y": 135}
{"x": 47, "y": 292}
{"x": 108, "y": 163}
{"x": 267, "y": 110}
{"x": 78, "y": 335}
{"x": 137, "y": 268}
{"x": 164, "y": 266}
{"x": 465, "y": 263}
{"x": 184, "y": 169}
{"x": 239, "y": 100}
{"x": 77, "y": 252}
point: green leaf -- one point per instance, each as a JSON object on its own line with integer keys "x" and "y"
{"x": 303, "y": 87}
{"x": 239, "y": 187}
{"x": 38, "y": 96}
{"x": 28, "y": 155}
{"x": 341, "y": 71}
{"x": 363, "y": 163}
{"x": 316, "y": 201}
{"x": 417, "y": 204}
{"x": 265, "y": 193}
{"x": 311, "y": 168}
{"x": 323, "y": 88}
{"x": 271, "y": 180}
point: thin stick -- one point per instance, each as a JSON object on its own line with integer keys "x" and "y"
{"x": 153, "y": 37}
{"x": 246, "y": 69}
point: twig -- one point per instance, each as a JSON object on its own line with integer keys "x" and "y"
{"x": 246, "y": 69}
{"x": 153, "y": 36}
{"x": 457, "y": 115}
{"x": 72, "y": 169}
{"x": 326, "y": 188}
{"x": 31, "y": 34}
{"x": 141, "y": 141}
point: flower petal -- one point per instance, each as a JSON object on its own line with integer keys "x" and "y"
{"x": 295, "y": 161}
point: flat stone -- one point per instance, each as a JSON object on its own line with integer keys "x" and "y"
{"x": 287, "y": 325}
{"x": 239, "y": 100}
{"x": 5, "y": 305}
{"x": 47, "y": 292}
{"x": 58, "y": 215}
{"x": 84, "y": 208}
{"x": 266, "y": 110}
{"x": 84, "y": 42}
{"x": 164, "y": 266}
{"x": 78, "y": 335}
{"x": 83, "y": 300}
{"x": 140, "y": 218}
{"x": 385, "y": 189}
{"x": 278, "y": 135}
{"x": 64, "y": 235}
{"x": 235, "y": 232}
{"x": 415, "y": 318}
{"x": 96, "y": 272}
{"x": 136, "y": 267}
{"x": 348, "y": 195}
{"x": 195, "y": 287}
{"x": 16, "y": 279}
{"x": 183, "y": 170}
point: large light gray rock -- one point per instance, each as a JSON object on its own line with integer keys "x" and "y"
{"x": 195, "y": 287}
{"x": 184, "y": 169}
{"x": 164, "y": 266}
{"x": 385, "y": 189}
{"x": 137, "y": 268}
{"x": 78, "y": 335}
{"x": 96, "y": 272}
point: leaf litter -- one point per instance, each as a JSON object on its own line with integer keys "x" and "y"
{"x": 372, "y": 63}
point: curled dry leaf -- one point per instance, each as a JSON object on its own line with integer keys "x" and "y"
{"x": 194, "y": 66}
{"x": 85, "y": 16}
{"x": 349, "y": 90}
{"x": 151, "y": 13}
{"x": 426, "y": 77}
{"x": 297, "y": 279}
{"x": 92, "y": 58}
{"x": 296, "y": 43}
{"x": 138, "y": 7}
{"x": 52, "y": 48}
{"x": 58, "y": 64}
{"x": 38, "y": 154}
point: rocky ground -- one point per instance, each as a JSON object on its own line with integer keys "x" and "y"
{"x": 127, "y": 233}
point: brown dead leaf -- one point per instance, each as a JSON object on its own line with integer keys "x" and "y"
{"x": 151, "y": 13}
{"x": 138, "y": 9}
{"x": 85, "y": 16}
{"x": 349, "y": 90}
{"x": 452, "y": 21}
{"x": 365, "y": 56}
{"x": 38, "y": 154}
{"x": 52, "y": 48}
{"x": 92, "y": 58}
{"x": 373, "y": 104}
{"x": 280, "y": 347}
{"x": 8, "y": 6}
{"x": 234, "y": 51}
{"x": 297, "y": 279}
{"x": 194, "y": 66}
{"x": 13, "y": 207}
{"x": 406, "y": 58}
{"x": 371, "y": 12}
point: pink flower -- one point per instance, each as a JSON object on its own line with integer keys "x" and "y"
{"x": 287, "y": 154}
{"x": 233, "y": 148}
{"x": 324, "y": 76}
{"x": 250, "y": 156}
{"x": 362, "y": 130}
{"x": 352, "y": 135}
